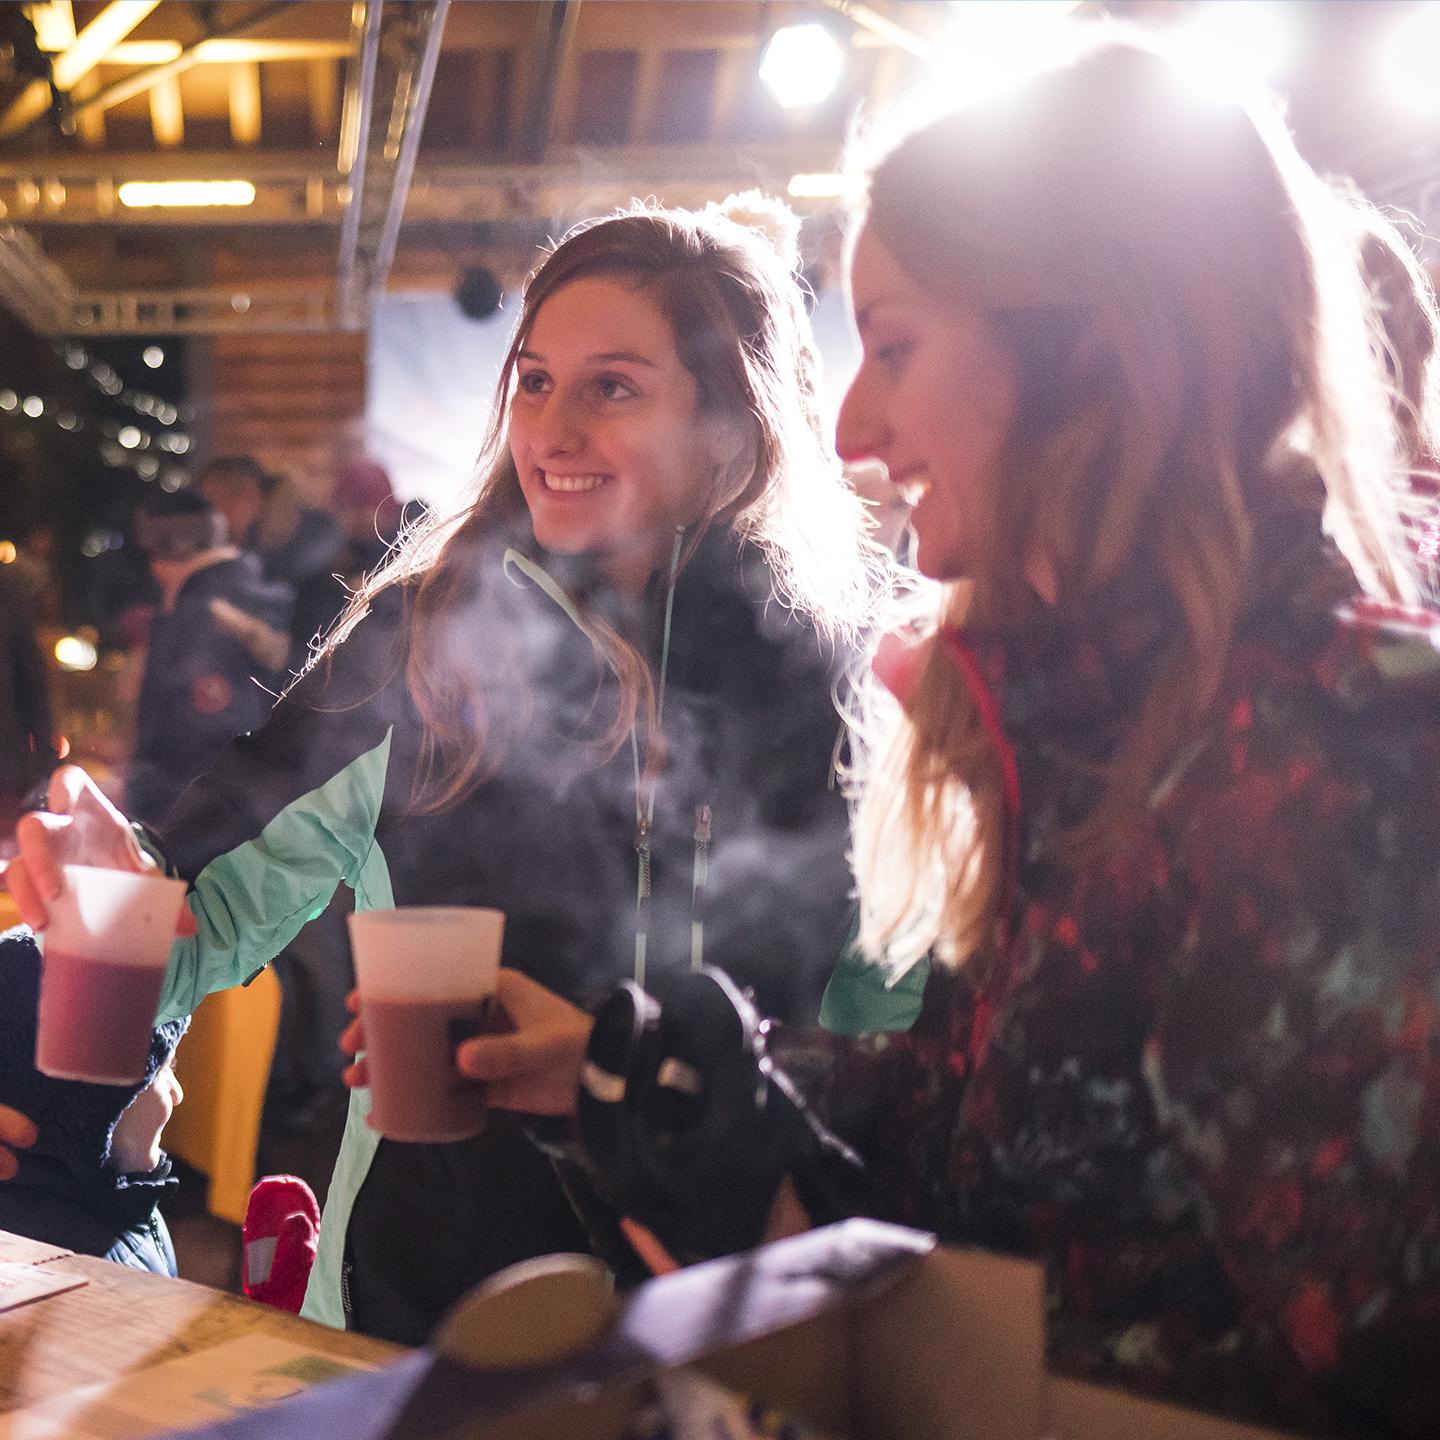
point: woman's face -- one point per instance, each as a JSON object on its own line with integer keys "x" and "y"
{"x": 604, "y": 429}
{"x": 933, "y": 401}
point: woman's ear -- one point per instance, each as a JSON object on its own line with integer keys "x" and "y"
{"x": 734, "y": 454}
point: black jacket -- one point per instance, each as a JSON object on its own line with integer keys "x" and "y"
{"x": 751, "y": 727}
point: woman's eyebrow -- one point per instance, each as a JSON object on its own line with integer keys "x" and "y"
{"x": 603, "y": 357}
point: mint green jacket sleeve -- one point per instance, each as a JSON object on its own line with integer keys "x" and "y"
{"x": 288, "y": 815}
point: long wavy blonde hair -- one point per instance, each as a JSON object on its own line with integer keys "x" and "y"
{"x": 736, "y": 308}
{"x": 1184, "y": 308}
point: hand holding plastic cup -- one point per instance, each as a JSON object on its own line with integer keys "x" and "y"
{"x": 426, "y": 976}
{"x": 105, "y": 950}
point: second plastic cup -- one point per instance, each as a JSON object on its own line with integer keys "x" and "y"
{"x": 426, "y": 976}
{"x": 105, "y": 947}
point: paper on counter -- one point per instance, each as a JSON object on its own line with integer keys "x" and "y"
{"x": 18, "y": 1250}
{"x": 21, "y": 1283}
{"x": 198, "y": 1389}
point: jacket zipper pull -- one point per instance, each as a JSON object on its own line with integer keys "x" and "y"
{"x": 703, "y": 832}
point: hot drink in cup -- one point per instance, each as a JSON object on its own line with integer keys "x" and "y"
{"x": 105, "y": 947}
{"x": 426, "y": 976}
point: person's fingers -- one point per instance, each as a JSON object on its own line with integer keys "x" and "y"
{"x": 9, "y": 1165}
{"x": 67, "y": 786}
{"x": 27, "y": 899}
{"x": 524, "y": 1053}
{"x": 352, "y": 1038}
{"x": 40, "y": 838}
{"x": 352, "y": 1002}
{"x": 186, "y": 924}
{"x": 16, "y": 1129}
{"x": 356, "y": 1076}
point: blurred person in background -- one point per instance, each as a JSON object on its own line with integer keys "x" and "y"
{"x": 27, "y": 741}
{"x": 298, "y": 545}
{"x": 217, "y": 649}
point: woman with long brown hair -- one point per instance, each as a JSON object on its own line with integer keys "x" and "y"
{"x": 600, "y": 699}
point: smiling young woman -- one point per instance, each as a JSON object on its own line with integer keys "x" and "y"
{"x": 599, "y": 699}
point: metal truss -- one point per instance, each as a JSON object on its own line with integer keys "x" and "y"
{"x": 395, "y": 63}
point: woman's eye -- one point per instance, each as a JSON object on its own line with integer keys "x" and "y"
{"x": 893, "y": 355}
{"x": 533, "y": 382}
{"x": 611, "y": 387}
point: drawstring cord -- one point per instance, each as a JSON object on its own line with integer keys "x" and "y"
{"x": 645, "y": 785}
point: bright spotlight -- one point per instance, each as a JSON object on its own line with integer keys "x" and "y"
{"x": 153, "y": 356}
{"x": 802, "y": 65}
{"x": 993, "y": 43}
{"x": 1410, "y": 60}
{"x": 129, "y": 436}
{"x": 33, "y": 406}
{"x": 1236, "y": 46}
{"x": 74, "y": 653}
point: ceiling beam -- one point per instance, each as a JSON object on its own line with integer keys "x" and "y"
{"x": 228, "y": 52}
{"x": 390, "y": 113}
{"x": 143, "y": 80}
{"x": 546, "y": 64}
{"x": 70, "y": 67}
{"x": 167, "y": 113}
{"x": 245, "y": 103}
{"x": 54, "y": 22}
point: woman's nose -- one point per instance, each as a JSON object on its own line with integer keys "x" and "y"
{"x": 857, "y": 435}
{"x": 560, "y": 431}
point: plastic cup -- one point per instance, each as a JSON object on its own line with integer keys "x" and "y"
{"x": 105, "y": 946}
{"x": 426, "y": 976}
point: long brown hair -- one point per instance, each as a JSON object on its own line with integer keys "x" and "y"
{"x": 1182, "y": 305}
{"x": 737, "y": 313}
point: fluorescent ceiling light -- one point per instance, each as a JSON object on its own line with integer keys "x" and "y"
{"x": 822, "y": 185}
{"x": 144, "y": 194}
{"x": 802, "y": 65}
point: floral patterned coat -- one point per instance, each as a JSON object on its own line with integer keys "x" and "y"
{"x": 1204, "y": 1087}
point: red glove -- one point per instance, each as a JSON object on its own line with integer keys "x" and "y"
{"x": 280, "y": 1235}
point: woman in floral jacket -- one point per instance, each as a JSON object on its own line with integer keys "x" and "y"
{"x": 1165, "y": 789}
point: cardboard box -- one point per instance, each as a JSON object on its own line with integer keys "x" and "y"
{"x": 864, "y": 1329}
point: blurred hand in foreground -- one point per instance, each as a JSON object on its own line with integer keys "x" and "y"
{"x": 81, "y": 827}
{"x": 17, "y": 1132}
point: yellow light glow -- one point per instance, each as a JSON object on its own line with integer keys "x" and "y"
{"x": 7, "y": 552}
{"x": 146, "y": 194}
{"x": 73, "y": 653}
{"x": 54, "y": 24}
{"x": 822, "y": 185}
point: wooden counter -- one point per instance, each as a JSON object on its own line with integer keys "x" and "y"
{"x": 124, "y": 1322}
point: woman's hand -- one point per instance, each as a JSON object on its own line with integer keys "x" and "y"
{"x": 352, "y": 1042}
{"x": 536, "y": 1067}
{"x": 81, "y": 827}
{"x": 17, "y": 1132}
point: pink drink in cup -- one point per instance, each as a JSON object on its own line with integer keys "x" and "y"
{"x": 106, "y": 947}
{"x": 426, "y": 976}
